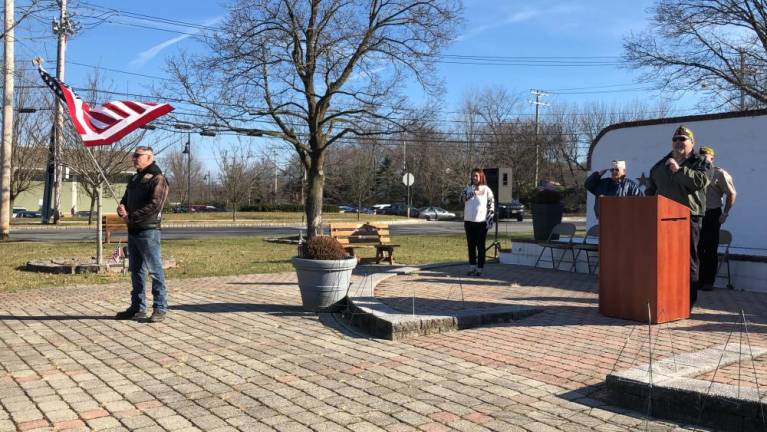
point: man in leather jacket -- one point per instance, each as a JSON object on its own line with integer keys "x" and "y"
{"x": 682, "y": 176}
{"x": 141, "y": 209}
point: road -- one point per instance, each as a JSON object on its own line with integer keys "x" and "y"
{"x": 168, "y": 233}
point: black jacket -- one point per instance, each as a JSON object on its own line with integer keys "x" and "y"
{"x": 144, "y": 199}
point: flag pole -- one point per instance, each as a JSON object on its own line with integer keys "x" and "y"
{"x": 98, "y": 167}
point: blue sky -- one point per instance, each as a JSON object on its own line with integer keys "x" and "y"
{"x": 587, "y": 31}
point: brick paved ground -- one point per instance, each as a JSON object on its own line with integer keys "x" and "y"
{"x": 747, "y": 373}
{"x": 238, "y": 353}
{"x": 570, "y": 344}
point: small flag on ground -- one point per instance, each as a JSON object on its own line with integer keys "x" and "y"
{"x": 105, "y": 124}
{"x": 118, "y": 254}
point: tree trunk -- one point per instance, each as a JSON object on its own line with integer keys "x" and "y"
{"x": 313, "y": 205}
{"x": 93, "y": 206}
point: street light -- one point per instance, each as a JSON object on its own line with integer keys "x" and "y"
{"x": 188, "y": 152}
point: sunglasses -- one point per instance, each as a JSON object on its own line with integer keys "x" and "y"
{"x": 675, "y": 139}
{"x": 138, "y": 155}
{"x": 614, "y": 169}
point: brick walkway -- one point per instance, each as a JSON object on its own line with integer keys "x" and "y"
{"x": 570, "y": 344}
{"x": 238, "y": 353}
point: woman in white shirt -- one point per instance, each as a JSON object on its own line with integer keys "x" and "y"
{"x": 478, "y": 213}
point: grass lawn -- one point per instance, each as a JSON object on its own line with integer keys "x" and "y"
{"x": 207, "y": 257}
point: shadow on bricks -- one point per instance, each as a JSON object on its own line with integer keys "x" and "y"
{"x": 271, "y": 309}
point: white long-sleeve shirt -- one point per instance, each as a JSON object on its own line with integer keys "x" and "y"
{"x": 475, "y": 207}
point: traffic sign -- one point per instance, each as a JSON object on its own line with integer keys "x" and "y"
{"x": 408, "y": 179}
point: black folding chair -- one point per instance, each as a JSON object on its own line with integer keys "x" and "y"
{"x": 564, "y": 233}
{"x": 590, "y": 245}
{"x": 725, "y": 240}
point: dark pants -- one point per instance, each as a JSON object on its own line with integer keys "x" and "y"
{"x": 694, "y": 260}
{"x": 709, "y": 245}
{"x": 476, "y": 233}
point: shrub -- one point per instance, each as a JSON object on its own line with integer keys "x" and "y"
{"x": 323, "y": 248}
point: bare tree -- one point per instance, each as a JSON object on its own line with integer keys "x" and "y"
{"x": 714, "y": 46}
{"x": 176, "y": 167}
{"x": 236, "y": 175}
{"x": 31, "y": 134}
{"x": 594, "y": 116}
{"x": 319, "y": 71}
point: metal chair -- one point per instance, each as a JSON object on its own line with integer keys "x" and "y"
{"x": 725, "y": 240}
{"x": 589, "y": 245}
{"x": 555, "y": 241}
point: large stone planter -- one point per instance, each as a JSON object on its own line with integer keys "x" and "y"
{"x": 545, "y": 217}
{"x": 323, "y": 283}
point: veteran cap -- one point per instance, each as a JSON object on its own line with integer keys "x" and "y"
{"x": 683, "y": 131}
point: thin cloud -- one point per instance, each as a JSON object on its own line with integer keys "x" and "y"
{"x": 148, "y": 54}
{"x": 515, "y": 17}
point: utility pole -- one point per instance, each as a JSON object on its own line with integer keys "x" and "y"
{"x": 537, "y": 103}
{"x": 7, "y": 148}
{"x": 63, "y": 28}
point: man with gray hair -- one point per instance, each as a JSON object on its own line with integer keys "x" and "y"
{"x": 616, "y": 185}
{"x": 141, "y": 209}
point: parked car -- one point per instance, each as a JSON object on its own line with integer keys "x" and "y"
{"x": 399, "y": 210}
{"x": 435, "y": 213}
{"x": 17, "y": 210}
{"x": 514, "y": 209}
{"x": 207, "y": 208}
{"x": 29, "y": 214}
{"x": 346, "y": 209}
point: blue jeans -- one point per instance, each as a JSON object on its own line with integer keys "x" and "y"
{"x": 144, "y": 256}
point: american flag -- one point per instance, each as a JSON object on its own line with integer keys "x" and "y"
{"x": 118, "y": 254}
{"x": 107, "y": 123}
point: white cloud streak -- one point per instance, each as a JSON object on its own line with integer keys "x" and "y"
{"x": 515, "y": 17}
{"x": 152, "y": 52}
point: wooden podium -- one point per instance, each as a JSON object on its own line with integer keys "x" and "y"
{"x": 644, "y": 257}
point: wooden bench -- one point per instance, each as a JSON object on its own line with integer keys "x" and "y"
{"x": 369, "y": 235}
{"x": 111, "y": 223}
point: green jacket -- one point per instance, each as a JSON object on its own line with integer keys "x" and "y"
{"x": 687, "y": 186}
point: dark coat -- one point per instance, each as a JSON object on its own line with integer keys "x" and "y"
{"x": 144, "y": 199}
{"x": 687, "y": 186}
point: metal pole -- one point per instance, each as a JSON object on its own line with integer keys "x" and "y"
{"x": 404, "y": 172}
{"x": 100, "y": 231}
{"x": 7, "y": 148}
{"x": 189, "y": 172}
{"x": 537, "y": 147}
{"x": 537, "y": 103}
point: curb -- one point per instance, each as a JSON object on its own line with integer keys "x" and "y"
{"x": 384, "y": 322}
{"x": 674, "y": 393}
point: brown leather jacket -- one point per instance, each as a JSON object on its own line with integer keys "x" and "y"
{"x": 144, "y": 199}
